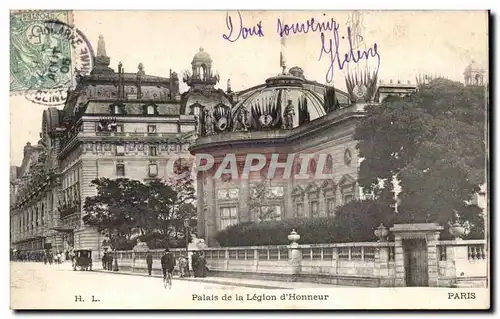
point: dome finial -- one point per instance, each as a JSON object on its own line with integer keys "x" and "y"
{"x": 101, "y": 46}
{"x": 201, "y": 49}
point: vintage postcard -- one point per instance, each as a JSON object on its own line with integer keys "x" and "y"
{"x": 249, "y": 160}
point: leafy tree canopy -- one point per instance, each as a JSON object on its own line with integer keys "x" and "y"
{"x": 433, "y": 142}
{"x": 124, "y": 208}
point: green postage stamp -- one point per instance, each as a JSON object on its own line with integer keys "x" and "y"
{"x": 38, "y": 59}
{"x": 46, "y": 54}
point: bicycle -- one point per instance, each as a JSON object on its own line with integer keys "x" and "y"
{"x": 167, "y": 280}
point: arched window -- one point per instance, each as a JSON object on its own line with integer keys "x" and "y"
{"x": 329, "y": 164}
{"x": 150, "y": 110}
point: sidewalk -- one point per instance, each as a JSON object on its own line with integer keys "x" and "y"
{"x": 239, "y": 282}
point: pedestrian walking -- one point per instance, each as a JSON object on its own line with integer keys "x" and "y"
{"x": 110, "y": 262}
{"x": 149, "y": 262}
{"x": 104, "y": 260}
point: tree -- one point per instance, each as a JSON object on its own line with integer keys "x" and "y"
{"x": 108, "y": 211}
{"x": 183, "y": 203}
{"x": 125, "y": 208}
{"x": 433, "y": 143}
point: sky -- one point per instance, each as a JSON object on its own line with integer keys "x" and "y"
{"x": 408, "y": 43}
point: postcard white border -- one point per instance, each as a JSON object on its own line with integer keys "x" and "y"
{"x": 433, "y": 295}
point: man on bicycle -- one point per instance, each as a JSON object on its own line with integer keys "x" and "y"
{"x": 167, "y": 263}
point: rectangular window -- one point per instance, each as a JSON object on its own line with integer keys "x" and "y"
{"x": 314, "y": 209}
{"x": 153, "y": 151}
{"x": 228, "y": 216}
{"x": 120, "y": 170}
{"x": 119, "y": 128}
{"x": 120, "y": 150}
{"x": 151, "y": 128}
{"x": 117, "y": 109}
{"x": 330, "y": 206}
{"x": 153, "y": 170}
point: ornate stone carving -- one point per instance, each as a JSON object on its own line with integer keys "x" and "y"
{"x": 231, "y": 193}
{"x": 208, "y": 123}
{"x": 288, "y": 115}
{"x": 347, "y": 157}
{"x": 242, "y": 122}
{"x": 107, "y": 125}
{"x": 362, "y": 87}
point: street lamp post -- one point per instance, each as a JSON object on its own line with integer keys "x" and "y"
{"x": 186, "y": 228}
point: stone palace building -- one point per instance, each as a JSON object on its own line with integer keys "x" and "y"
{"x": 117, "y": 124}
{"x": 113, "y": 124}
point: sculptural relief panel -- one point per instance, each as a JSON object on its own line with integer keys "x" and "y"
{"x": 154, "y": 93}
{"x": 106, "y": 92}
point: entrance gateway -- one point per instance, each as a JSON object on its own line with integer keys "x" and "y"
{"x": 416, "y": 257}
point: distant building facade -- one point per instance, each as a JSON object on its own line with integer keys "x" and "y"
{"x": 114, "y": 124}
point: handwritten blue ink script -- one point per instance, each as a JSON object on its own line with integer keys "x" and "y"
{"x": 239, "y": 30}
{"x": 304, "y": 28}
{"x": 330, "y": 42}
{"x": 328, "y": 45}
{"x": 332, "y": 49}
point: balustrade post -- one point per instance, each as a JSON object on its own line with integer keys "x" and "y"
{"x": 226, "y": 261}
{"x": 133, "y": 261}
{"x": 459, "y": 257}
{"x": 255, "y": 259}
{"x": 335, "y": 259}
{"x": 382, "y": 265}
{"x": 295, "y": 254}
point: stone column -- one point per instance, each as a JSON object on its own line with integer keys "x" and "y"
{"x": 432, "y": 258}
{"x": 200, "y": 206}
{"x": 459, "y": 257}
{"x": 307, "y": 208}
{"x": 399, "y": 263}
{"x": 295, "y": 254}
{"x": 382, "y": 266}
{"x": 243, "y": 210}
{"x": 210, "y": 212}
{"x": 289, "y": 209}
{"x": 321, "y": 203}
{"x": 338, "y": 197}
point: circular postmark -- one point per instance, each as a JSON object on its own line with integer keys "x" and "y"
{"x": 51, "y": 55}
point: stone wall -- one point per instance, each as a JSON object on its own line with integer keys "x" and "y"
{"x": 370, "y": 264}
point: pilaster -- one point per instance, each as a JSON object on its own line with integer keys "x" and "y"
{"x": 243, "y": 210}
{"x": 432, "y": 259}
{"x": 210, "y": 211}
{"x": 399, "y": 263}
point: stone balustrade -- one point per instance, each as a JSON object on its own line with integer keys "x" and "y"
{"x": 460, "y": 263}
{"x": 463, "y": 263}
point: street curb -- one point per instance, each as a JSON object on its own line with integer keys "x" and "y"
{"x": 224, "y": 283}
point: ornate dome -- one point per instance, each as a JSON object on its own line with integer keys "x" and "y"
{"x": 202, "y": 57}
{"x": 296, "y": 71}
{"x": 281, "y": 93}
